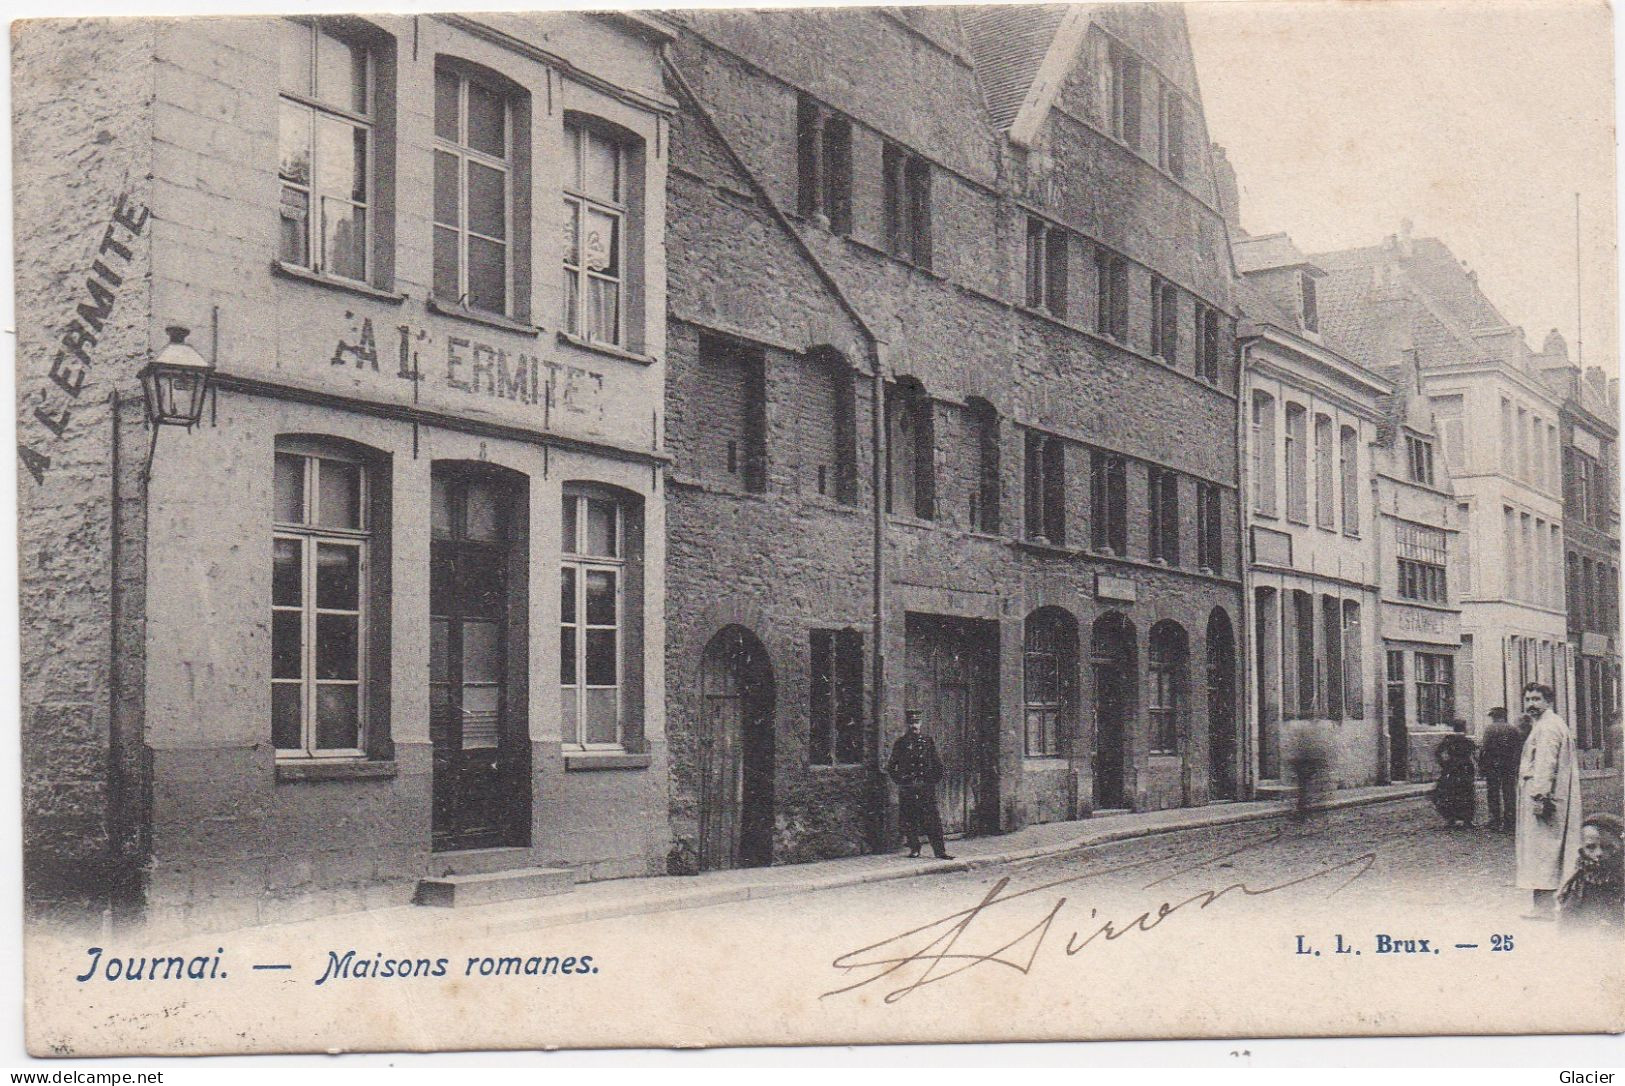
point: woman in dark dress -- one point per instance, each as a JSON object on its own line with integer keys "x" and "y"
{"x": 1594, "y": 896}
{"x": 1455, "y": 795}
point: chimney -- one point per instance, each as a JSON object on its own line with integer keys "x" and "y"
{"x": 1555, "y": 346}
{"x": 1227, "y": 192}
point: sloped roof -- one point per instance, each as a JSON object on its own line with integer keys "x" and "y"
{"x": 1259, "y": 306}
{"x": 1008, "y": 44}
{"x": 1355, "y": 306}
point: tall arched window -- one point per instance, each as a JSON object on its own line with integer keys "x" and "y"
{"x": 1049, "y": 667}
{"x": 1168, "y": 671}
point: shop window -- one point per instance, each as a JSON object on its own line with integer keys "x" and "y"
{"x": 1049, "y": 665}
{"x": 836, "y": 710}
{"x": 1046, "y": 266}
{"x": 1435, "y": 689}
{"x": 481, "y": 196}
{"x": 906, "y": 180}
{"x": 602, "y": 231}
{"x": 1162, "y": 506}
{"x": 1046, "y": 488}
{"x": 334, "y": 121}
{"x": 824, "y": 165}
{"x": 600, "y": 619}
{"x": 1108, "y": 503}
{"x": 329, "y": 598}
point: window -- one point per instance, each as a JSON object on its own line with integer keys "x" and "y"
{"x": 1168, "y": 663}
{"x": 1108, "y": 503}
{"x": 1588, "y": 595}
{"x": 1435, "y": 689}
{"x": 1263, "y": 465}
{"x": 1419, "y": 458}
{"x": 1331, "y": 626}
{"x": 1526, "y": 557}
{"x": 1325, "y": 473}
{"x": 836, "y": 711}
{"x": 1509, "y": 553}
{"x": 1046, "y": 266}
{"x": 597, "y": 619}
{"x": 1209, "y": 527}
{"x": 1207, "y": 343}
{"x": 910, "y": 451}
{"x": 1297, "y": 464}
{"x": 824, "y": 165}
{"x": 1164, "y": 320}
{"x": 1125, "y": 95}
{"x": 1353, "y": 662}
{"x": 1572, "y": 595}
{"x": 1507, "y": 443}
{"x": 1396, "y": 686}
{"x": 1162, "y": 505}
{"x": 1422, "y": 555}
{"x": 598, "y": 224}
{"x": 1467, "y": 585}
{"x": 1302, "y": 646}
{"x": 825, "y": 426}
{"x": 1522, "y": 435}
{"x": 1171, "y": 133}
{"x": 473, "y": 192}
{"x": 1046, "y": 489}
{"x": 1311, "y": 310}
{"x": 1447, "y": 413}
{"x": 320, "y": 600}
{"x": 1349, "y": 470}
{"x": 730, "y": 408}
{"x": 327, "y": 119}
{"x": 1111, "y": 295}
{"x": 982, "y": 447}
{"x": 1049, "y": 662}
{"x": 907, "y": 185}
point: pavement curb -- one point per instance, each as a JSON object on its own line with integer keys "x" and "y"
{"x": 702, "y": 897}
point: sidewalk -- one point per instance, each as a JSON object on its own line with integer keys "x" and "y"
{"x": 640, "y": 896}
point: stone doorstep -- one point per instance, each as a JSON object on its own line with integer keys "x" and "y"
{"x": 457, "y": 891}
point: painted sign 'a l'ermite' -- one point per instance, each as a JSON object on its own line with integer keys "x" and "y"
{"x": 73, "y": 359}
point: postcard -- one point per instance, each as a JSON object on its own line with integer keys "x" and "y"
{"x": 817, "y": 526}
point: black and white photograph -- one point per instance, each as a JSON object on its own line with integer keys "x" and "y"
{"x": 648, "y": 528}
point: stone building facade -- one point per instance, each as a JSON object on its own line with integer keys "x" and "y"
{"x": 1312, "y": 420}
{"x": 1588, "y": 433}
{"x": 394, "y": 608}
{"x": 1497, "y": 431}
{"x": 952, "y": 413}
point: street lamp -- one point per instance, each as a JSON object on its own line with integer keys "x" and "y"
{"x": 175, "y": 385}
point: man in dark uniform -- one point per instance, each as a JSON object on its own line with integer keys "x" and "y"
{"x": 916, "y": 769}
{"x": 1499, "y": 757}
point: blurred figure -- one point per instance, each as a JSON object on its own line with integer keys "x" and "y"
{"x": 1455, "y": 796}
{"x": 1548, "y": 803}
{"x": 1498, "y": 758}
{"x": 1594, "y": 896}
{"x": 1308, "y": 748}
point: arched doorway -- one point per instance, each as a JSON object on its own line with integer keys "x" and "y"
{"x": 1112, "y": 663}
{"x": 735, "y": 747}
{"x": 1221, "y": 706}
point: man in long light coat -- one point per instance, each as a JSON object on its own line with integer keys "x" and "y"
{"x": 1549, "y": 812}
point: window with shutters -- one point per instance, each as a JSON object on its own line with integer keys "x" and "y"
{"x": 1046, "y": 266}
{"x": 836, "y": 709}
{"x": 1325, "y": 473}
{"x": 1331, "y": 671}
{"x": 1162, "y": 507}
{"x": 906, "y": 183}
{"x": 1264, "y": 463}
{"x": 1045, "y": 488}
{"x": 1297, "y": 463}
{"x": 1108, "y": 503}
{"x": 824, "y": 166}
{"x": 730, "y": 412}
{"x": 1348, "y": 463}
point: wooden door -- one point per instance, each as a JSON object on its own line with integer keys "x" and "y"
{"x": 735, "y": 741}
{"x": 949, "y": 676}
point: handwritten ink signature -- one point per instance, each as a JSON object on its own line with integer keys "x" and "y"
{"x": 934, "y": 952}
